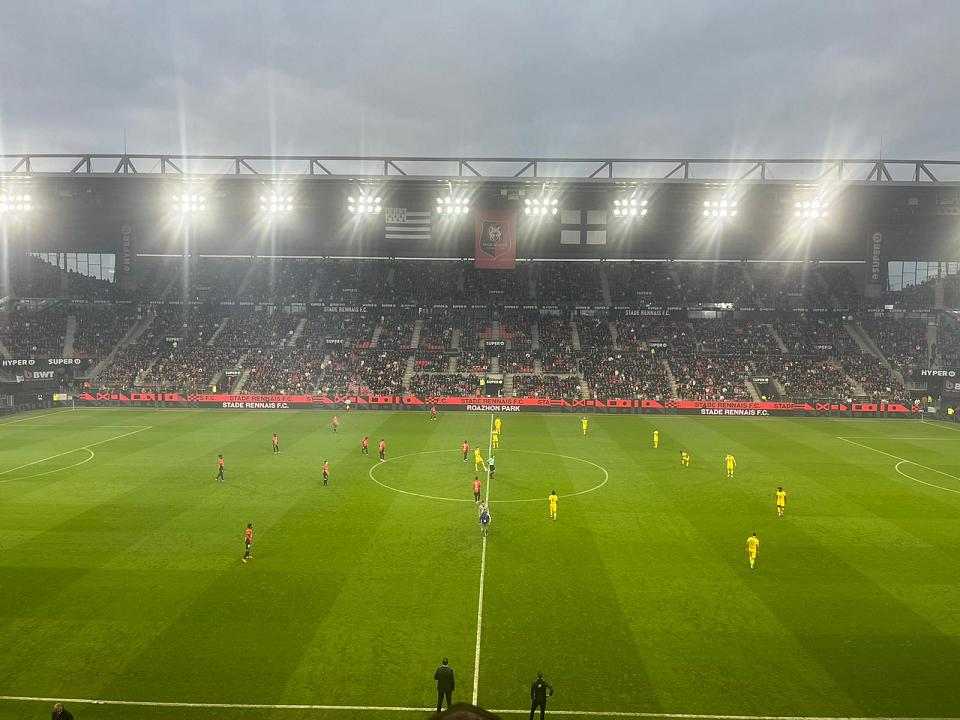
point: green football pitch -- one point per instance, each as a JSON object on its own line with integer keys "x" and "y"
{"x": 121, "y": 578}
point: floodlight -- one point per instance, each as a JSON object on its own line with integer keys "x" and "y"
{"x": 810, "y": 209}
{"x": 543, "y": 205}
{"x": 452, "y": 206}
{"x": 276, "y": 203}
{"x": 365, "y": 204}
{"x": 189, "y": 203}
{"x": 720, "y": 208}
{"x": 14, "y": 203}
{"x": 629, "y": 208}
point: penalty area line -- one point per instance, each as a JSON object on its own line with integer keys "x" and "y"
{"x": 400, "y": 708}
{"x": 905, "y": 461}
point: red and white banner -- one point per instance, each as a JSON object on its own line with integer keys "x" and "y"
{"x": 496, "y": 239}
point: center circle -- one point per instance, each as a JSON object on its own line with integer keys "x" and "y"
{"x": 442, "y": 472}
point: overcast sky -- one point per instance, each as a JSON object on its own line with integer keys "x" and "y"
{"x": 695, "y": 78}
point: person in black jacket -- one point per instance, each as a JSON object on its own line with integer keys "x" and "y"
{"x": 60, "y": 713}
{"x": 445, "y": 684}
{"x": 538, "y": 695}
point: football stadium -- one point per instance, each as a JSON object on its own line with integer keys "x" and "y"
{"x": 283, "y": 437}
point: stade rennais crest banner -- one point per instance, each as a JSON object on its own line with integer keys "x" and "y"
{"x": 496, "y": 239}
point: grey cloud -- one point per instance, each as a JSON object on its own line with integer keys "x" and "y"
{"x": 548, "y": 78}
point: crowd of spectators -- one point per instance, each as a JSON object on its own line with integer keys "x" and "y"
{"x": 34, "y": 334}
{"x": 710, "y": 377}
{"x": 257, "y": 330}
{"x": 282, "y": 281}
{"x": 517, "y": 361}
{"x": 559, "y": 283}
{"x": 190, "y": 368}
{"x": 515, "y": 328}
{"x": 436, "y": 330}
{"x": 473, "y": 361}
{"x": 903, "y": 341}
{"x": 714, "y": 283}
{"x": 555, "y": 334}
{"x": 488, "y": 287}
{"x": 396, "y": 330}
{"x": 788, "y": 285}
{"x": 732, "y": 336}
{"x": 100, "y": 327}
{"x": 639, "y": 331}
{"x": 426, "y": 282}
{"x": 594, "y": 332}
{"x": 552, "y": 386}
{"x": 445, "y": 384}
{"x": 430, "y": 361}
{"x": 873, "y": 376}
{"x": 378, "y": 372}
{"x": 630, "y": 373}
{"x": 642, "y": 284}
{"x": 946, "y": 352}
{"x": 805, "y": 378}
{"x": 286, "y": 371}
{"x": 841, "y": 286}
{"x": 815, "y": 336}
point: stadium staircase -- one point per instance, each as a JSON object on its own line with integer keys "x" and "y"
{"x": 216, "y": 333}
{"x": 495, "y": 330}
{"x": 574, "y": 336}
{"x": 408, "y": 372}
{"x": 777, "y": 339}
{"x": 939, "y": 294}
{"x": 69, "y": 335}
{"x": 674, "y": 275}
{"x": 129, "y": 338}
{"x": 297, "y": 332}
{"x": 452, "y": 365}
{"x": 537, "y": 366}
{"x": 605, "y": 286}
{"x": 508, "y": 385}
{"x": 535, "y": 336}
{"x": 868, "y": 345}
{"x": 4, "y": 351}
{"x": 752, "y": 389}
{"x": 242, "y": 380}
{"x": 670, "y": 378}
{"x": 614, "y": 335}
{"x": 455, "y": 338}
{"x": 584, "y": 390}
{"x": 748, "y": 276}
{"x": 415, "y": 338}
{"x": 932, "y": 336}
{"x": 375, "y": 338}
{"x": 532, "y": 287}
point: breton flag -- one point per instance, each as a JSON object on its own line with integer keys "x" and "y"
{"x": 583, "y": 227}
{"x": 403, "y": 224}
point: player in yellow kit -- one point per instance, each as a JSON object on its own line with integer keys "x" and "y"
{"x": 781, "y": 501}
{"x": 656, "y": 439}
{"x": 497, "y": 425}
{"x": 731, "y": 463}
{"x": 495, "y": 439}
{"x": 478, "y": 460}
{"x": 553, "y": 500}
{"x": 583, "y": 423}
{"x": 753, "y": 545}
{"x": 684, "y": 458}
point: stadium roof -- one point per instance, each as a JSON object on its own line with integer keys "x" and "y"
{"x": 693, "y": 170}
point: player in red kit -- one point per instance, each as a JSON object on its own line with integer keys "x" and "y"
{"x": 336, "y": 423}
{"x": 276, "y": 443}
{"x": 365, "y": 446}
{"x": 466, "y": 450}
{"x": 326, "y": 472}
{"x": 433, "y": 412}
{"x": 248, "y": 542}
{"x": 476, "y": 489}
{"x": 383, "y": 451}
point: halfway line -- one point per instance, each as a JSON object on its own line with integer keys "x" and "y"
{"x": 483, "y": 569}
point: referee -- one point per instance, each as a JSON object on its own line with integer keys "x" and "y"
{"x": 538, "y": 695}
{"x": 445, "y": 684}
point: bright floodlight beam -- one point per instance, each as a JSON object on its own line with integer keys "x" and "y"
{"x": 15, "y": 203}
{"x": 453, "y": 206}
{"x": 720, "y": 208}
{"x": 364, "y": 205}
{"x": 629, "y": 208}
{"x": 810, "y": 209}
{"x": 188, "y": 203}
{"x": 541, "y": 206}
{"x": 276, "y": 203}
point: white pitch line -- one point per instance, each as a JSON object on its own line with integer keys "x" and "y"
{"x": 34, "y": 417}
{"x": 84, "y": 427}
{"x": 910, "y": 462}
{"x": 68, "y": 452}
{"x": 55, "y": 470}
{"x": 387, "y": 708}
{"x": 483, "y": 570}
